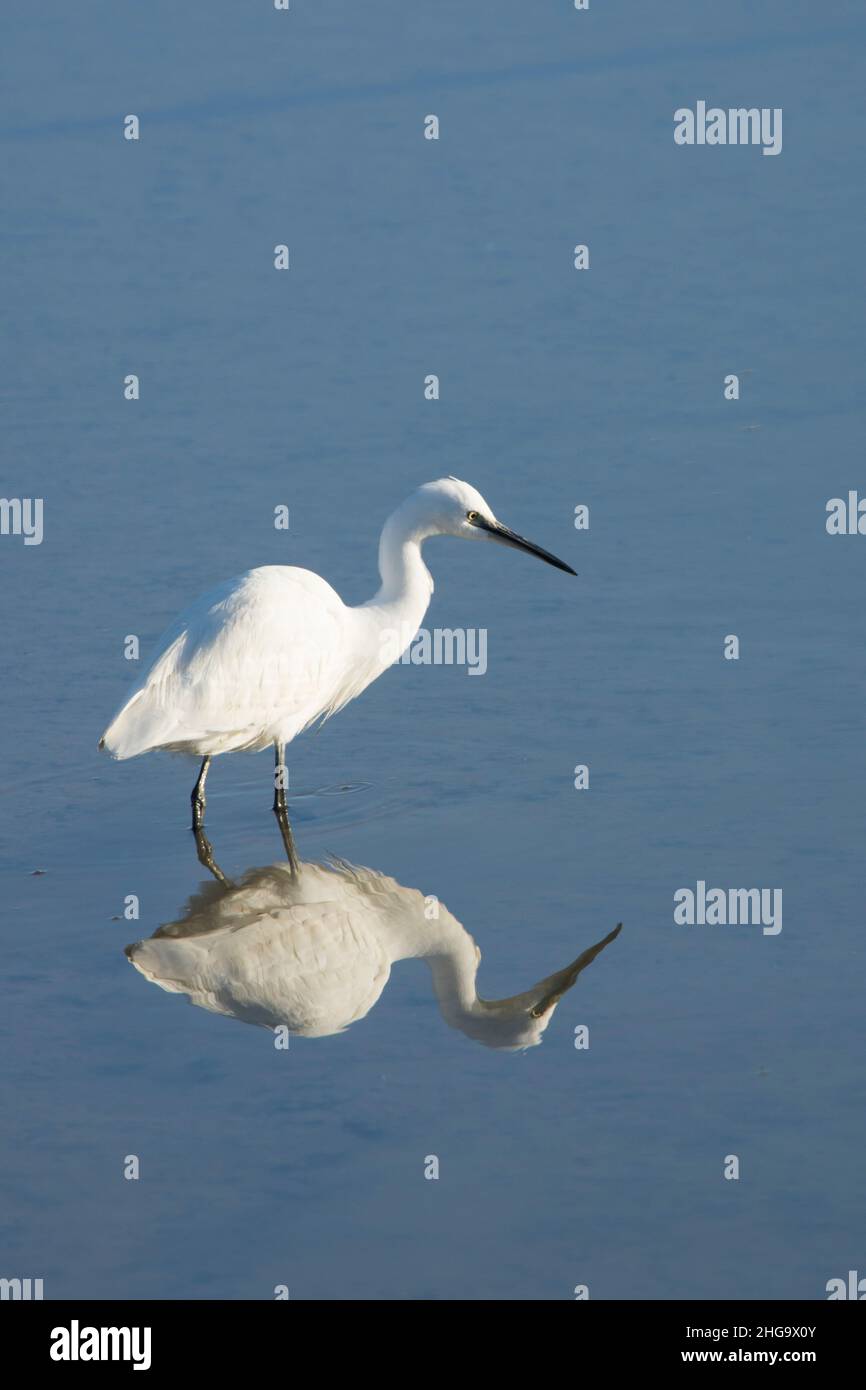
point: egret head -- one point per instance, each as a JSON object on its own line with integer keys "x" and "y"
{"x": 508, "y": 1025}
{"x": 514, "y": 1024}
{"x": 450, "y": 507}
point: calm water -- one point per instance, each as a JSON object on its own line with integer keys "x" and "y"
{"x": 557, "y": 1166}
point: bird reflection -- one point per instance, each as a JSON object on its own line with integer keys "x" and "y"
{"x": 310, "y": 947}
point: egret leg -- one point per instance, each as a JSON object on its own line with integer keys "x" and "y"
{"x": 281, "y": 809}
{"x": 197, "y": 799}
{"x": 204, "y": 849}
{"x": 279, "y": 788}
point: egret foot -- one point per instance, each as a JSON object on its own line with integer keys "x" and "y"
{"x": 204, "y": 850}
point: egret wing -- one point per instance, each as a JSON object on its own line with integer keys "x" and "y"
{"x": 256, "y": 659}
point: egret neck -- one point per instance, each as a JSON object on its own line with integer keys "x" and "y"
{"x": 403, "y": 597}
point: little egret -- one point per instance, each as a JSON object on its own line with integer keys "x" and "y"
{"x": 263, "y": 656}
{"x": 312, "y": 951}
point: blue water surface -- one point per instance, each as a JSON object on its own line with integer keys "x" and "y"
{"x": 558, "y": 1166}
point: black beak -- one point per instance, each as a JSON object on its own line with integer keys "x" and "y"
{"x": 497, "y": 532}
{"x": 564, "y": 979}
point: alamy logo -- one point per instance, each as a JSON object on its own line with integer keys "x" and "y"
{"x": 23, "y": 1289}
{"x": 22, "y": 516}
{"x": 855, "y": 1288}
{"x": 444, "y": 646}
{"x": 846, "y": 518}
{"x": 76, "y": 1343}
{"x": 719, "y": 907}
{"x": 737, "y": 126}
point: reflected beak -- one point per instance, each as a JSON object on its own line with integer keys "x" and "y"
{"x": 505, "y": 536}
{"x": 554, "y": 987}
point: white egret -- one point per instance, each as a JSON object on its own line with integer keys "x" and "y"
{"x": 312, "y": 951}
{"x": 263, "y": 656}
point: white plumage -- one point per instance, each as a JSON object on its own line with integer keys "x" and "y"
{"x": 263, "y": 656}
{"x": 250, "y": 664}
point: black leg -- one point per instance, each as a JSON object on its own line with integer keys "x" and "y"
{"x": 288, "y": 839}
{"x": 281, "y": 807}
{"x": 197, "y": 799}
{"x": 279, "y": 777}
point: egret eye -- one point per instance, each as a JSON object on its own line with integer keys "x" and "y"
{"x": 472, "y": 516}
